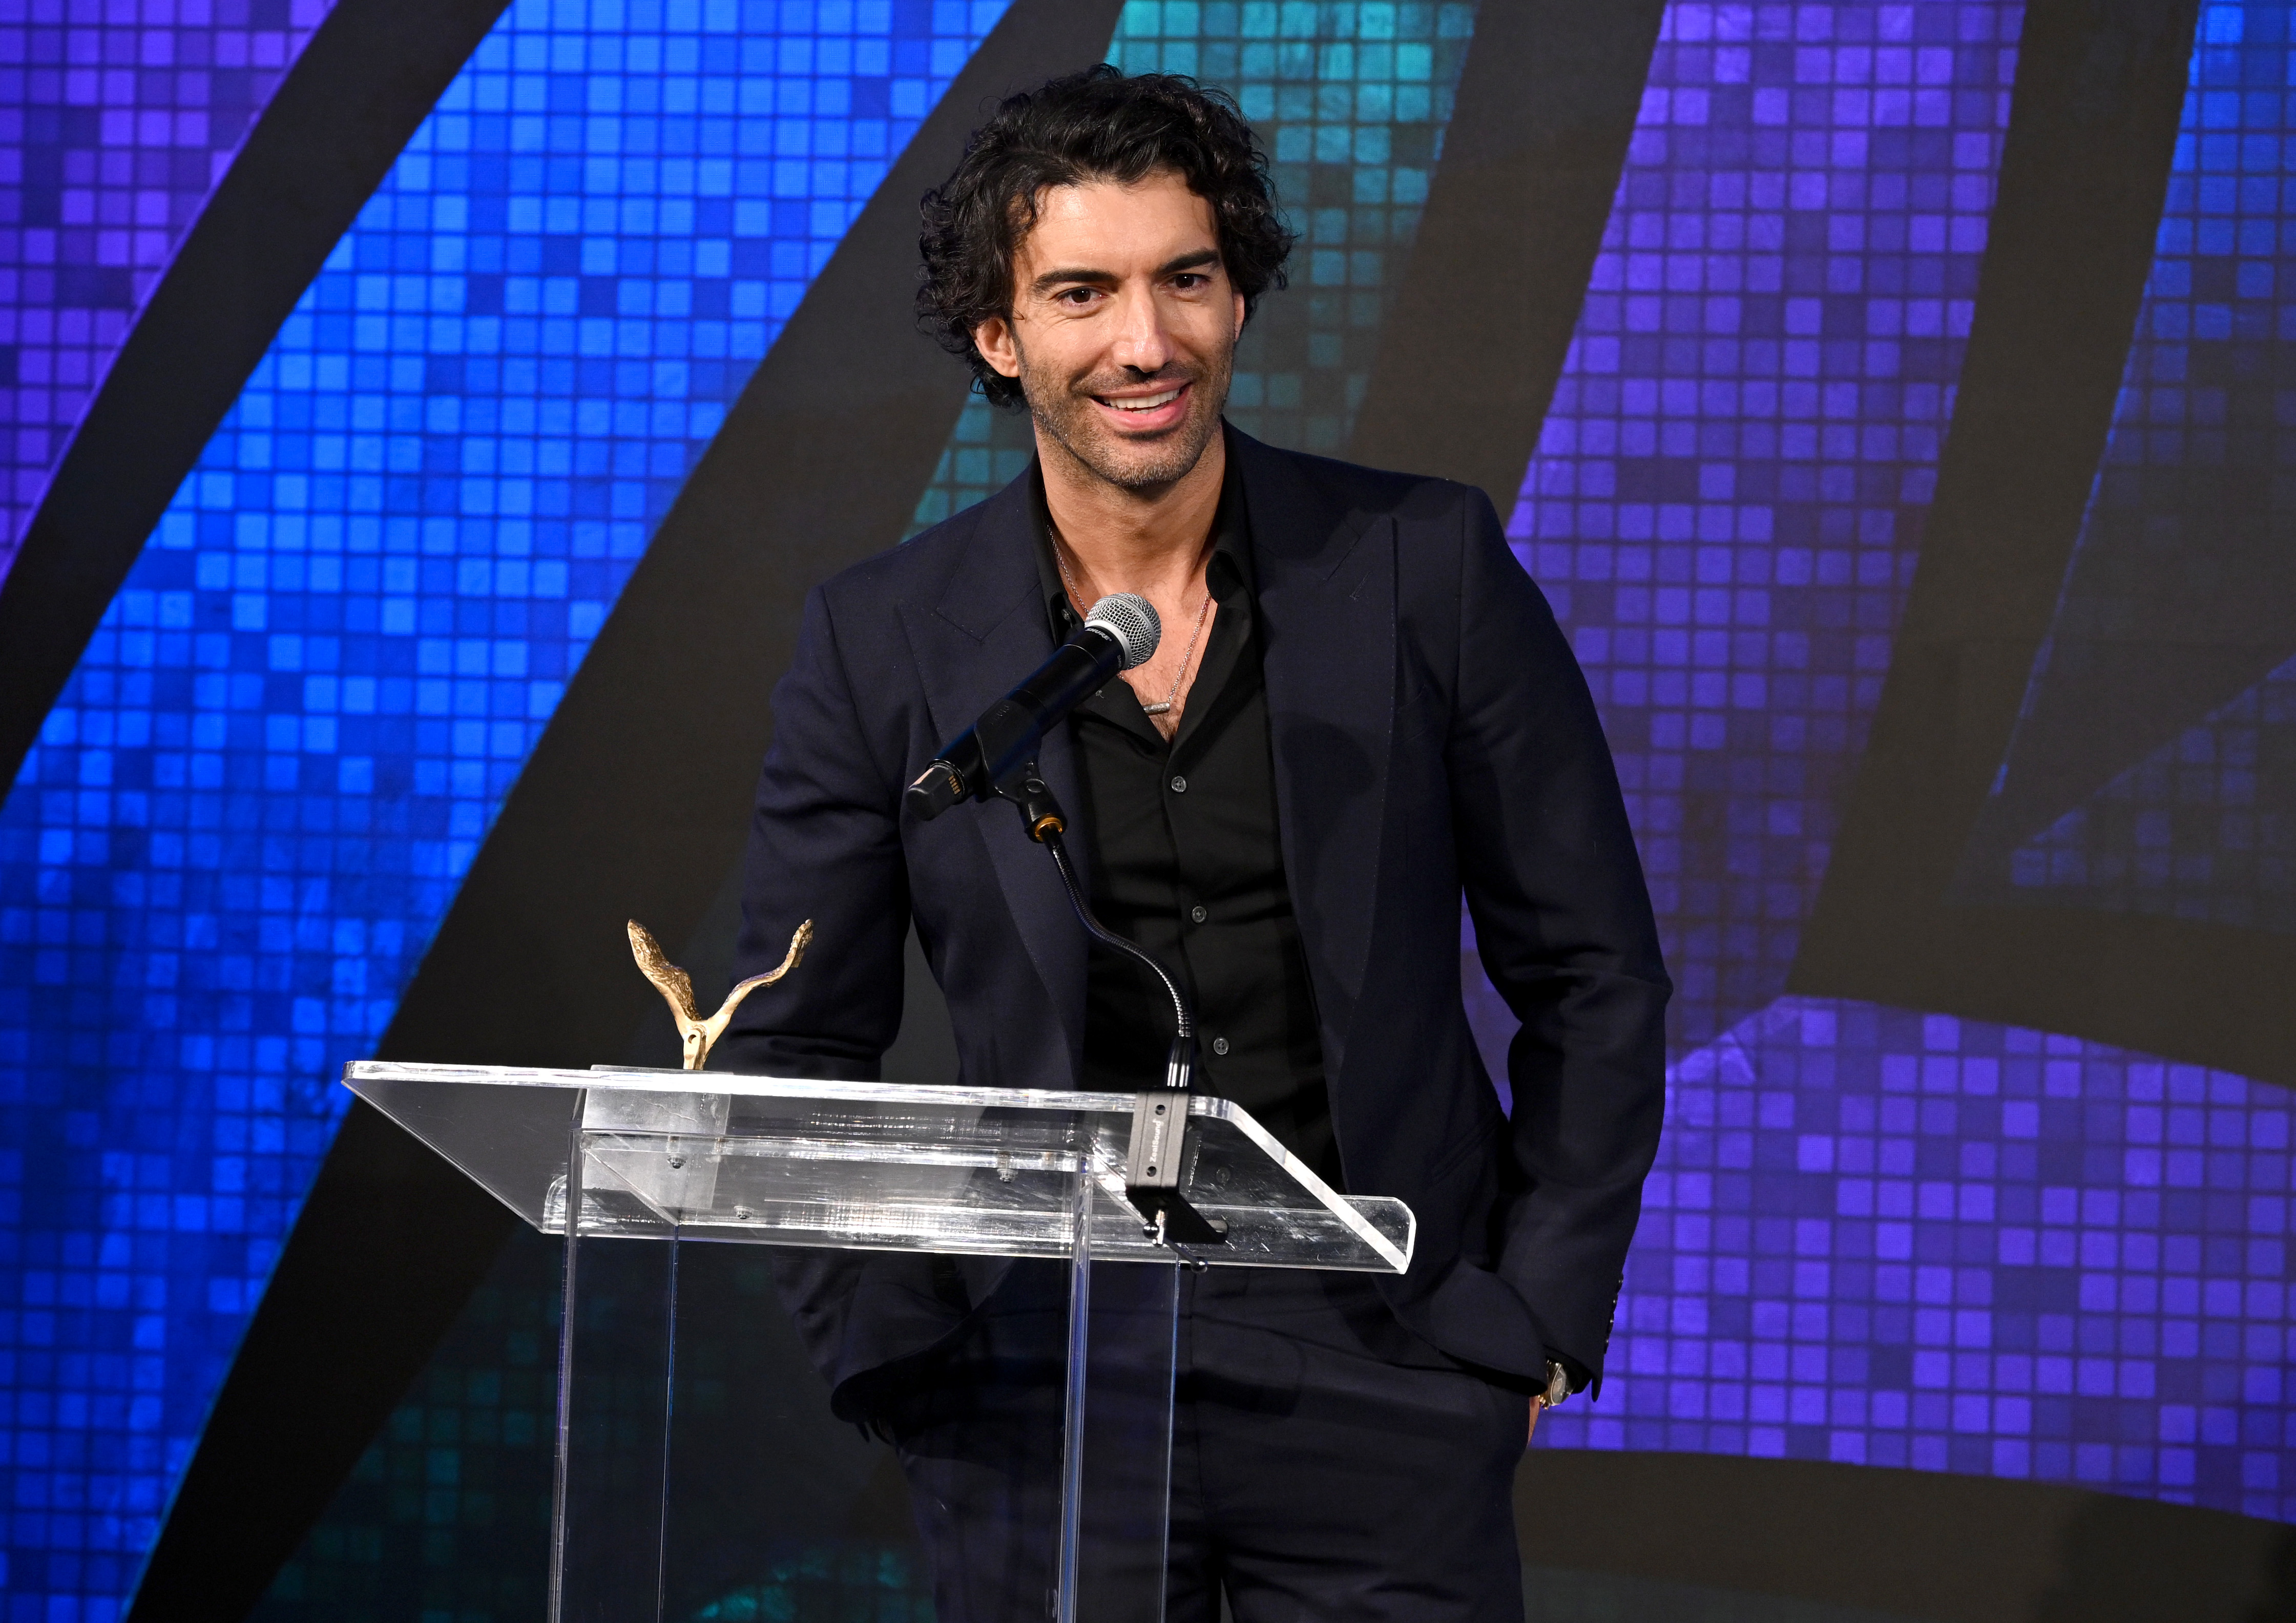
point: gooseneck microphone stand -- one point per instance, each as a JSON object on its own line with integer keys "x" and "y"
{"x": 997, "y": 755}
{"x": 1151, "y": 1180}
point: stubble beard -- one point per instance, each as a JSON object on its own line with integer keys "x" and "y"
{"x": 1065, "y": 413}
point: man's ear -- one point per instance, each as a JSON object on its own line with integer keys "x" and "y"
{"x": 1240, "y": 314}
{"x": 994, "y": 338}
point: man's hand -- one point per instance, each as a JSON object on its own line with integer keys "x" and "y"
{"x": 1558, "y": 1387}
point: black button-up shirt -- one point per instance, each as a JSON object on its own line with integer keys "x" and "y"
{"x": 1181, "y": 855}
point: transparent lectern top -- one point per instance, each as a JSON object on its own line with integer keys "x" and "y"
{"x": 867, "y": 1165}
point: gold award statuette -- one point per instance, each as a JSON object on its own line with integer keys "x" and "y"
{"x": 676, "y": 987}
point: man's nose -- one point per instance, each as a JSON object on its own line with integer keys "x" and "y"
{"x": 1141, "y": 342}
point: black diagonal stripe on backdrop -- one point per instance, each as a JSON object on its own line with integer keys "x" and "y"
{"x": 2099, "y": 90}
{"x": 1469, "y": 356}
{"x": 367, "y": 78}
{"x": 633, "y": 804}
{"x": 1861, "y": 1541}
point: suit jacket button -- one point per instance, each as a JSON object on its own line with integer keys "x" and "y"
{"x": 1179, "y": 785}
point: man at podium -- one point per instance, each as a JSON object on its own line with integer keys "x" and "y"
{"x": 1360, "y": 709}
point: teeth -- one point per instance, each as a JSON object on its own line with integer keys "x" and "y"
{"x": 1146, "y": 403}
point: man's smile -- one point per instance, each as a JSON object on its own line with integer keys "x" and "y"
{"x": 1158, "y": 409}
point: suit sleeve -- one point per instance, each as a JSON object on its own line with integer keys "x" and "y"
{"x": 825, "y": 845}
{"x": 1562, "y": 921}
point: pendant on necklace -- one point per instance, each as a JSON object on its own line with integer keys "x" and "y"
{"x": 1155, "y": 710}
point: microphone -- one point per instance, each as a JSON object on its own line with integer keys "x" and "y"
{"x": 1121, "y": 631}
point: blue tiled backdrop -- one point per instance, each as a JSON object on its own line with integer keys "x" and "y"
{"x": 250, "y": 809}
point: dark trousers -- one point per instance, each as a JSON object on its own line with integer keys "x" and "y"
{"x": 1326, "y": 1464}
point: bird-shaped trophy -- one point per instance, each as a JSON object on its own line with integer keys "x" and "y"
{"x": 676, "y": 988}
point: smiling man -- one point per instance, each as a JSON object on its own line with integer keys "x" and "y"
{"x": 1361, "y": 710}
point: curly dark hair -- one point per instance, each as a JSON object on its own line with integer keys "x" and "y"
{"x": 1096, "y": 125}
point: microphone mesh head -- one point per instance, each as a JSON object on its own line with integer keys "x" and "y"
{"x": 1132, "y": 622}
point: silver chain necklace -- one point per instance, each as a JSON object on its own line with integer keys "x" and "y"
{"x": 1202, "y": 609}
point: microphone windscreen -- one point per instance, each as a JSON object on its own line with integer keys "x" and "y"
{"x": 1131, "y": 621}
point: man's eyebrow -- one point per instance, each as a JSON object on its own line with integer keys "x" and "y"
{"x": 1173, "y": 266}
{"x": 1202, "y": 256}
{"x": 1054, "y": 278}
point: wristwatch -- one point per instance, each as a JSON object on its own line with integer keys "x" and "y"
{"x": 1558, "y": 1384}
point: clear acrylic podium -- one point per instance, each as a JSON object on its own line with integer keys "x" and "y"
{"x": 669, "y": 1155}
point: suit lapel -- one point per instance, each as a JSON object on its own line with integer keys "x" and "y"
{"x": 1326, "y": 586}
{"x": 988, "y": 632}
{"x": 1326, "y": 580}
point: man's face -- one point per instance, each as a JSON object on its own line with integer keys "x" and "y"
{"x": 1123, "y": 328}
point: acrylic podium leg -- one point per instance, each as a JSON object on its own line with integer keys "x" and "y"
{"x": 1115, "y": 1445}
{"x": 617, "y": 1365}
{"x": 1072, "y": 1432}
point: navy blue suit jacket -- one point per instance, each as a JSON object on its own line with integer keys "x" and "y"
{"x": 1432, "y": 735}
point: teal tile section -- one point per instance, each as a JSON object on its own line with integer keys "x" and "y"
{"x": 1351, "y": 101}
{"x": 779, "y": 1512}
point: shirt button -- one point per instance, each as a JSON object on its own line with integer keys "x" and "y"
{"x": 1179, "y": 785}
{"x": 1219, "y": 1045}
{"x": 1198, "y": 913}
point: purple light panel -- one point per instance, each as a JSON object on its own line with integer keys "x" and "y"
{"x": 1874, "y": 1235}
{"x": 116, "y": 123}
{"x": 1726, "y": 502}
{"x": 1895, "y": 1239}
